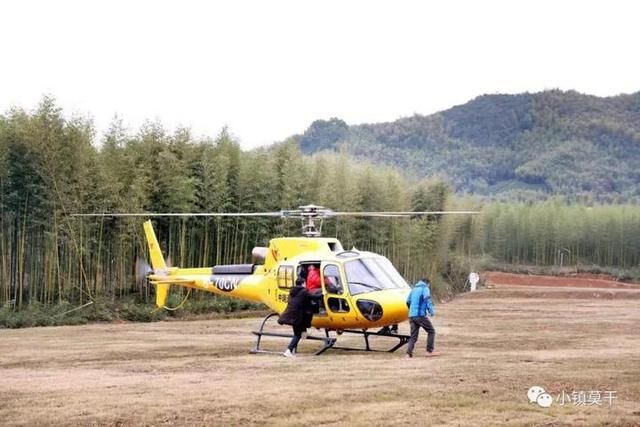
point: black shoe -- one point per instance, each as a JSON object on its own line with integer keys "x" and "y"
{"x": 389, "y": 330}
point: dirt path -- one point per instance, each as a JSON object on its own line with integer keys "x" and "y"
{"x": 574, "y": 281}
{"x": 495, "y": 345}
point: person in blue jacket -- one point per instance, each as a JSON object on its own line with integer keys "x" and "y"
{"x": 420, "y": 304}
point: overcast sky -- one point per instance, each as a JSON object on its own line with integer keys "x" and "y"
{"x": 267, "y": 69}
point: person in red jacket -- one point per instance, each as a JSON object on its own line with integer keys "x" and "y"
{"x": 313, "y": 280}
{"x": 314, "y": 288}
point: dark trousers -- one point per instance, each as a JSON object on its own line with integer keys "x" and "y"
{"x": 297, "y": 334}
{"x": 317, "y": 302}
{"x": 417, "y": 323}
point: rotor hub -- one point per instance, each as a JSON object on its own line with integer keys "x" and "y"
{"x": 311, "y": 216}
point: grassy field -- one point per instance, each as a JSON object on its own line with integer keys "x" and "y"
{"x": 494, "y": 345}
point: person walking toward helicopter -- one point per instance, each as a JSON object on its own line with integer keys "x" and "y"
{"x": 420, "y": 304}
{"x": 298, "y": 314}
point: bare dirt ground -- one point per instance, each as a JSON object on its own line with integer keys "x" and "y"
{"x": 495, "y": 344}
{"x": 580, "y": 280}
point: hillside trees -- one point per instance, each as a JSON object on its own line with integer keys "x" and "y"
{"x": 534, "y": 145}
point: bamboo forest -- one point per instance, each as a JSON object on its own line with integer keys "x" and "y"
{"x": 52, "y": 166}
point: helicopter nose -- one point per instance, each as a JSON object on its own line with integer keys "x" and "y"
{"x": 395, "y": 308}
{"x": 385, "y": 307}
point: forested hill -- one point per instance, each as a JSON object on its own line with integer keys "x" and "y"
{"x": 524, "y": 145}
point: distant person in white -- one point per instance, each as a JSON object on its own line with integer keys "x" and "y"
{"x": 474, "y": 278}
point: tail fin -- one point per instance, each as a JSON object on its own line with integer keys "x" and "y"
{"x": 157, "y": 262}
{"x": 162, "y": 289}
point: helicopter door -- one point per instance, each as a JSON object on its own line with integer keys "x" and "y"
{"x": 335, "y": 299}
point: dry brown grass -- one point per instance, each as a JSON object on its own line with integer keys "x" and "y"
{"x": 199, "y": 373}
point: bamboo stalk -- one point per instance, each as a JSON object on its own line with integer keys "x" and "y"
{"x": 21, "y": 258}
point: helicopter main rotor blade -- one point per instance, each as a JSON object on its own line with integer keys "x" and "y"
{"x": 326, "y": 213}
{"x": 309, "y": 214}
{"x": 404, "y": 213}
{"x": 185, "y": 214}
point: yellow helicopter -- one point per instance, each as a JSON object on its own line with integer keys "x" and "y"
{"x": 360, "y": 290}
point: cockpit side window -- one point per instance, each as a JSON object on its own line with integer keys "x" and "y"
{"x": 332, "y": 282}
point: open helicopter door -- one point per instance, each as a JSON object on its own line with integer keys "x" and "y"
{"x": 336, "y": 295}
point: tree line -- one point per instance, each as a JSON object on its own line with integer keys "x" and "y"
{"x": 50, "y": 167}
{"x": 555, "y": 233}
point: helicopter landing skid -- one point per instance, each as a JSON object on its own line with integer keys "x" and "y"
{"x": 328, "y": 341}
{"x": 402, "y": 340}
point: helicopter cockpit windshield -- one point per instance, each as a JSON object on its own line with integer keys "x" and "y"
{"x": 372, "y": 274}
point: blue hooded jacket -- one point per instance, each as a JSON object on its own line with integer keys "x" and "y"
{"x": 419, "y": 301}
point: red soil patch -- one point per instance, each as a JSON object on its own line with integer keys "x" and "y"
{"x": 582, "y": 280}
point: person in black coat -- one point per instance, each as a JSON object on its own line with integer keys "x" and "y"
{"x": 298, "y": 314}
